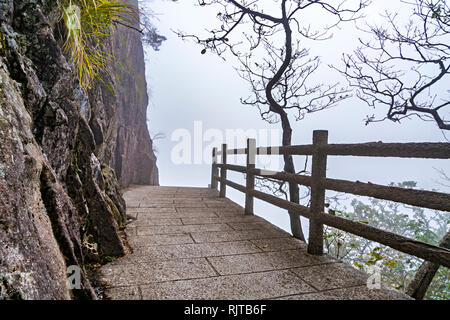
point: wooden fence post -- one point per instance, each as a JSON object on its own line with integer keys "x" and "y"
{"x": 214, "y": 171}
{"x": 250, "y": 183}
{"x": 223, "y": 172}
{"x": 319, "y": 167}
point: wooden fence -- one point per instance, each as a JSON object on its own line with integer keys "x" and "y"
{"x": 320, "y": 150}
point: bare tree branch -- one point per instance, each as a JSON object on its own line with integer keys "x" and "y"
{"x": 403, "y": 69}
{"x": 266, "y": 38}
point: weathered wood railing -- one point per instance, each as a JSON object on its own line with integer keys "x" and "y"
{"x": 318, "y": 182}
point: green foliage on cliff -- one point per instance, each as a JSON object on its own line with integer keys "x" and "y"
{"x": 88, "y": 23}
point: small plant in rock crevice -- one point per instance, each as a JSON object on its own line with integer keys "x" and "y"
{"x": 88, "y": 23}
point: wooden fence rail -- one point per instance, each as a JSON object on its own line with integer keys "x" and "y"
{"x": 318, "y": 182}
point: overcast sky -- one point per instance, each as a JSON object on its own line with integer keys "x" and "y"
{"x": 188, "y": 89}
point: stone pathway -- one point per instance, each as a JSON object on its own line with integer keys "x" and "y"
{"x": 190, "y": 244}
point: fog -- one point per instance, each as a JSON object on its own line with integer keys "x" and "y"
{"x": 189, "y": 90}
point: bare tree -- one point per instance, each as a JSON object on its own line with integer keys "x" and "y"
{"x": 266, "y": 38}
{"x": 406, "y": 69}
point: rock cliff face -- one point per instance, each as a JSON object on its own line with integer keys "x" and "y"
{"x": 120, "y": 124}
{"x": 64, "y": 154}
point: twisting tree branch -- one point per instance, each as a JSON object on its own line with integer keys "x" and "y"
{"x": 403, "y": 69}
{"x": 266, "y": 38}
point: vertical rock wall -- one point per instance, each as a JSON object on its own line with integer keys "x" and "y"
{"x": 120, "y": 109}
{"x": 63, "y": 154}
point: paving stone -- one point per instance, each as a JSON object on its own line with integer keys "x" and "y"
{"x": 229, "y": 212}
{"x": 191, "y": 210}
{"x": 265, "y": 261}
{"x": 157, "y": 222}
{"x": 196, "y": 250}
{"x": 214, "y": 201}
{"x": 124, "y": 293}
{"x": 132, "y": 204}
{"x": 168, "y": 215}
{"x": 157, "y": 200}
{"x": 129, "y": 273}
{"x": 155, "y": 203}
{"x": 159, "y": 240}
{"x": 188, "y": 201}
{"x": 168, "y": 195}
{"x": 279, "y": 244}
{"x": 143, "y": 211}
{"x": 331, "y": 276}
{"x": 147, "y": 230}
{"x": 131, "y": 230}
{"x": 236, "y": 218}
{"x": 217, "y": 205}
{"x": 262, "y": 285}
{"x": 181, "y": 206}
{"x": 260, "y": 225}
{"x": 234, "y": 235}
{"x": 309, "y": 296}
{"x": 352, "y": 293}
{"x": 145, "y": 207}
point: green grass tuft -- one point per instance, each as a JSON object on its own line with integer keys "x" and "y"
{"x": 95, "y": 20}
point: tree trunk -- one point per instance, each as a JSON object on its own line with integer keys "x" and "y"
{"x": 419, "y": 285}
{"x": 289, "y": 167}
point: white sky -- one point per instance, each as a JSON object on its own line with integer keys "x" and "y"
{"x": 186, "y": 86}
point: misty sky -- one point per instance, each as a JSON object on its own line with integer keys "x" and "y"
{"x": 189, "y": 89}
